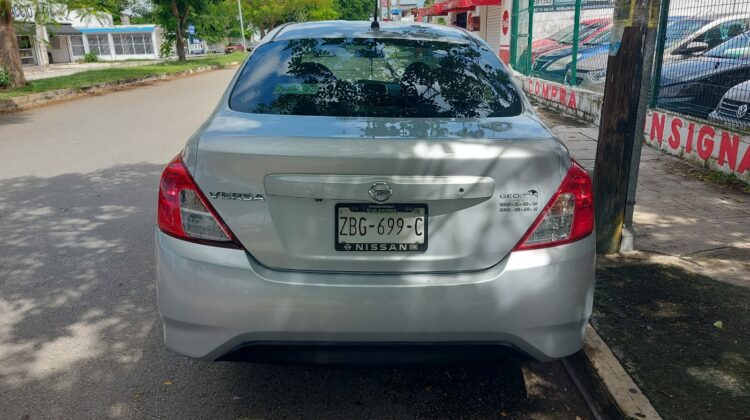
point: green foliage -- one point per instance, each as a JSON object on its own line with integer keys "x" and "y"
{"x": 355, "y": 9}
{"x": 143, "y": 13}
{"x": 4, "y": 78}
{"x": 218, "y": 21}
{"x": 721, "y": 178}
{"x": 265, "y": 14}
{"x": 166, "y": 47}
{"x": 727, "y": 179}
{"x": 92, "y": 7}
{"x": 90, "y": 58}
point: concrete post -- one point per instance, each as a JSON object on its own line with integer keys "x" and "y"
{"x": 42, "y": 39}
{"x": 86, "y": 48}
{"x": 111, "y": 43}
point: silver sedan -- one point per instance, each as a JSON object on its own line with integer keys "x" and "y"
{"x": 374, "y": 186}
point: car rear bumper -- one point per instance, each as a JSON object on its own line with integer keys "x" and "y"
{"x": 215, "y": 300}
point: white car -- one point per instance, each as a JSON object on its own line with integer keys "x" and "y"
{"x": 364, "y": 187}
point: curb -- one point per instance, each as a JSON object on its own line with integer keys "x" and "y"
{"x": 33, "y": 100}
{"x": 605, "y": 385}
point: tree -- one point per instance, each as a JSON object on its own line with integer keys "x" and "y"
{"x": 355, "y": 9}
{"x": 266, "y": 15}
{"x": 218, "y": 21}
{"x": 10, "y": 57}
{"x": 174, "y": 15}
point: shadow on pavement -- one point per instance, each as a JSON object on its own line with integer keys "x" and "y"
{"x": 11, "y": 118}
{"x": 682, "y": 336}
{"x": 80, "y": 336}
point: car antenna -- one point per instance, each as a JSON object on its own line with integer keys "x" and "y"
{"x": 375, "y": 25}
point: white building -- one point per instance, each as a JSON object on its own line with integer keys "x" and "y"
{"x": 118, "y": 42}
{"x": 73, "y": 35}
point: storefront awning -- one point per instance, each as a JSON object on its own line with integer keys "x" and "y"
{"x": 53, "y": 29}
{"x": 456, "y": 6}
{"x": 434, "y": 10}
{"x": 62, "y": 29}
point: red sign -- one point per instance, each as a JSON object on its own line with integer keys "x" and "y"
{"x": 506, "y": 22}
{"x": 446, "y": 6}
{"x": 552, "y": 92}
{"x": 678, "y": 135}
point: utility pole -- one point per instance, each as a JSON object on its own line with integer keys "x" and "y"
{"x": 623, "y": 114}
{"x": 242, "y": 24}
{"x": 652, "y": 62}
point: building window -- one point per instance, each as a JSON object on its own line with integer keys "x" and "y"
{"x": 98, "y": 44}
{"x": 26, "y": 49}
{"x": 133, "y": 44}
{"x": 76, "y": 41}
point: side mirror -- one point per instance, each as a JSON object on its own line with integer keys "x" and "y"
{"x": 692, "y": 48}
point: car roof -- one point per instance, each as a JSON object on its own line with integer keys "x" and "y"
{"x": 362, "y": 29}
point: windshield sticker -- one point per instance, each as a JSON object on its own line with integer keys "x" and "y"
{"x": 519, "y": 202}
{"x": 295, "y": 89}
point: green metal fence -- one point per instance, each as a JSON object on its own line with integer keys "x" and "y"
{"x": 560, "y": 40}
{"x": 702, "y": 60}
{"x": 522, "y": 25}
{"x": 701, "y": 65}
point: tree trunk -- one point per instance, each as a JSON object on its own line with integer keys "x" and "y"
{"x": 179, "y": 34}
{"x": 10, "y": 57}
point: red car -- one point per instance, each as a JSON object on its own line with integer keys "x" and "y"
{"x": 234, "y": 47}
{"x": 588, "y": 30}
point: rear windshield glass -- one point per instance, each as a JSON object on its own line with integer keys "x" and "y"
{"x": 365, "y": 77}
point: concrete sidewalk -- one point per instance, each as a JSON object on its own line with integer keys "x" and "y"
{"x": 679, "y": 219}
{"x": 66, "y": 69}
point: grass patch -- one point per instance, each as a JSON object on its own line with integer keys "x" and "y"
{"x": 685, "y": 338}
{"x": 721, "y": 178}
{"x": 710, "y": 175}
{"x": 96, "y": 77}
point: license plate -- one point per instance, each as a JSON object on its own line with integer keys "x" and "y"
{"x": 381, "y": 227}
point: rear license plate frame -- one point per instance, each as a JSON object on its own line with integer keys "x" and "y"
{"x": 381, "y": 246}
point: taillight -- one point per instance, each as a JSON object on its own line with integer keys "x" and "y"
{"x": 184, "y": 211}
{"x": 569, "y": 215}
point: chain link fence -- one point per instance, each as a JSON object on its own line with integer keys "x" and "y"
{"x": 701, "y": 65}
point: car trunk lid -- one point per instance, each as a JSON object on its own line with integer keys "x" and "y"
{"x": 279, "y": 183}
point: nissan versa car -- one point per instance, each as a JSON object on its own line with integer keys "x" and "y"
{"x": 364, "y": 187}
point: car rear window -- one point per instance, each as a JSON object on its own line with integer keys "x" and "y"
{"x": 366, "y": 77}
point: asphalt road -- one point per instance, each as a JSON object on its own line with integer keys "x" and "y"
{"x": 79, "y": 331}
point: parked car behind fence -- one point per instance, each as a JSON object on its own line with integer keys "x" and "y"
{"x": 733, "y": 109}
{"x": 696, "y": 85}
